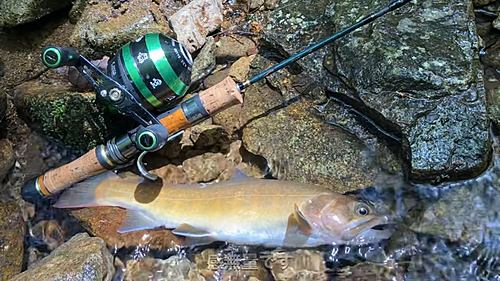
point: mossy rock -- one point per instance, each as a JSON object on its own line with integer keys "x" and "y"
{"x": 73, "y": 118}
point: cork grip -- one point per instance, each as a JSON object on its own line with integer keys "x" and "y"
{"x": 221, "y": 96}
{"x": 62, "y": 177}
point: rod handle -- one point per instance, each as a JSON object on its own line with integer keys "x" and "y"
{"x": 60, "y": 178}
{"x": 55, "y": 56}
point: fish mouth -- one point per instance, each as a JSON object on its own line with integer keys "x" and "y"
{"x": 371, "y": 230}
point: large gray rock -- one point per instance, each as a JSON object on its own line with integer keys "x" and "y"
{"x": 301, "y": 141}
{"x": 14, "y": 12}
{"x": 81, "y": 258}
{"x": 195, "y": 21}
{"x": 104, "y": 27}
{"x": 415, "y": 72}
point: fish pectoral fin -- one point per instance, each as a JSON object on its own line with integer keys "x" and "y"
{"x": 190, "y": 231}
{"x": 302, "y": 222}
{"x": 135, "y": 220}
{"x": 293, "y": 236}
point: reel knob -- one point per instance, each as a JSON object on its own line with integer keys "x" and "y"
{"x": 55, "y": 56}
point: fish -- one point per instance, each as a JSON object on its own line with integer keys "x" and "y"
{"x": 243, "y": 210}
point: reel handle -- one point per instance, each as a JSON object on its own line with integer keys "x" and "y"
{"x": 56, "y": 56}
{"x": 58, "y": 179}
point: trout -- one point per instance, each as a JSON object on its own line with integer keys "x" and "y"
{"x": 242, "y": 210}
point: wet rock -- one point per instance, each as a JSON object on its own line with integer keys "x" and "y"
{"x": 298, "y": 265}
{"x": 92, "y": 261}
{"x": 369, "y": 271}
{"x": 239, "y": 69}
{"x": 255, "y": 4}
{"x": 204, "y": 60}
{"x": 103, "y": 29}
{"x": 7, "y": 158}
{"x": 434, "y": 100}
{"x": 231, "y": 48}
{"x": 50, "y": 232}
{"x": 491, "y": 56}
{"x": 104, "y": 222}
{"x": 480, "y": 3}
{"x": 231, "y": 264}
{"x": 174, "y": 268}
{"x": 12, "y": 229}
{"x": 206, "y": 167}
{"x": 279, "y": 121}
{"x": 493, "y": 96}
{"x": 13, "y": 13}
{"x": 68, "y": 116}
{"x": 171, "y": 174}
{"x": 195, "y": 21}
{"x": 270, "y": 4}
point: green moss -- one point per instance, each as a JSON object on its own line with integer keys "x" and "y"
{"x": 73, "y": 119}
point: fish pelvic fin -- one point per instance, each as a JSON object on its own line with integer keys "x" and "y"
{"x": 135, "y": 220}
{"x": 190, "y": 231}
{"x": 302, "y": 222}
{"x": 83, "y": 194}
{"x": 293, "y": 236}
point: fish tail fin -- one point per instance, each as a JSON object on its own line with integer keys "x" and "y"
{"x": 83, "y": 194}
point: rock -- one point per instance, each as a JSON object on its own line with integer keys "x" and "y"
{"x": 103, "y": 29}
{"x": 239, "y": 69}
{"x": 104, "y": 222}
{"x": 231, "y": 48}
{"x": 3, "y": 104}
{"x": 212, "y": 262}
{"x": 255, "y": 4}
{"x": 71, "y": 117}
{"x": 81, "y": 258}
{"x": 13, "y": 13}
{"x": 174, "y": 268}
{"x": 7, "y": 158}
{"x": 434, "y": 100}
{"x": 77, "y": 10}
{"x": 195, "y": 21}
{"x": 480, "y": 3}
{"x": 370, "y": 271}
{"x": 270, "y": 4}
{"x": 206, "y": 167}
{"x": 171, "y": 174}
{"x": 496, "y": 23}
{"x": 204, "y": 60}
{"x": 170, "y": 7}
{"x": 298, "y": 265}
{"x": 465, "y": 212}
{"x": 282, "y": 125}
{"x": 12, "y": 229}
{"x": 204, "y": 136}
{"x": 50, "y": 232}
{"x": 491, "y": 57}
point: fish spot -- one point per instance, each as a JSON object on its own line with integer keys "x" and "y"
{"x": 147, "y": 191}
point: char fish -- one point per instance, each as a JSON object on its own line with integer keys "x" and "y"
{"x": 242, "y": 210}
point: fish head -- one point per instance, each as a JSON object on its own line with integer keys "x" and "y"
{"x": 354, "y": 221}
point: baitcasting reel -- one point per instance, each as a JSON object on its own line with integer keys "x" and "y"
{"x": 147, "y": 75}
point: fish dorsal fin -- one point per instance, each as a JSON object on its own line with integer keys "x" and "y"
{"x": 135, "y": 220}
{"x": 190, "y": 231}
{"x": 302, "y": 222}
{"x": 239, "y": 175}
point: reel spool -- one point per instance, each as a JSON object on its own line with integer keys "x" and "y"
{"x": 155, "y": 69}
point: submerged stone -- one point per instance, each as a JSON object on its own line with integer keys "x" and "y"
{"x": 415, "y": 72}
{"x": 81, "y": 258}
{"x": 174, "y": 268}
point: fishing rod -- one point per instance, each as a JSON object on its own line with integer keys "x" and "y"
{"x": 145, "y": 77}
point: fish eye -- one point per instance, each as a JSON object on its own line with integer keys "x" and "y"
{"x": 362, "y": 210}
